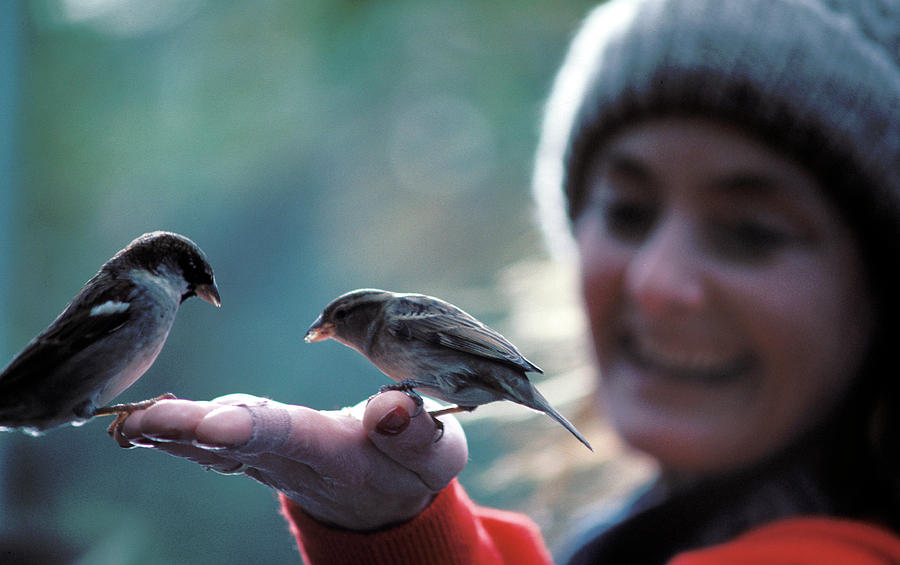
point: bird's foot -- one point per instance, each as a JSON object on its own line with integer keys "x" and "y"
{"x": 407, "y": 388}
{"x": 449, "y": 410}
{"x": 123, "y": 411}
{"x": 439, "y": 426}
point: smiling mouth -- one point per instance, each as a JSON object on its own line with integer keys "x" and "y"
{"x": 687, "y": 364}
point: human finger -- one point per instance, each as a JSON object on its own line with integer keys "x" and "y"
{"x": 167, "y": 420}
{"x": 408, "y": 435}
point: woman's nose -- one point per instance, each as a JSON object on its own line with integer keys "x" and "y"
{"x": 665, "y": 273}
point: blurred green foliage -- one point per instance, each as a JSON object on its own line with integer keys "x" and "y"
{"x": 310, "y": 148}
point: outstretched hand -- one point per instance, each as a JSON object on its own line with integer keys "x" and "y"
{"x": 359, "y": 468}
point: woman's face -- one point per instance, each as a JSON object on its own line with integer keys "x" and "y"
{"x": 726, "y": 297}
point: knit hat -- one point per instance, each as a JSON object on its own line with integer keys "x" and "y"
{"x": 816, "y": 79}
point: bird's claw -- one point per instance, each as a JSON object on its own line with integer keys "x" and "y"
{"x": 409, "y": 390}
{"x": 123, "y": 411}
{"x": 448, "y": 410}
{"x": 420, "y": 404}
{"x": 439, "y": 425}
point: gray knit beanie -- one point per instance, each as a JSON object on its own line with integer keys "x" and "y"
{"x": 816, "y": 79}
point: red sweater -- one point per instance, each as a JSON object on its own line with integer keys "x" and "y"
{"x": 454, "y": 530}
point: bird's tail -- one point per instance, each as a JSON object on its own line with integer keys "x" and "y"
{"x": 538, "y": 402}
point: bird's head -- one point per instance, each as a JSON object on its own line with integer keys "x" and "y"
{"x": 173, "y": 255}
{"x": 348, "y": 316}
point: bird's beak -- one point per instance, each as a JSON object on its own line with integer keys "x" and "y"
{"x": 319, "y": 331}
{"x": 209, "y": 293}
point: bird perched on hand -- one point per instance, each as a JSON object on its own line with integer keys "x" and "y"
{"x": 107, "y": 337}
{"x": 428, "y": 344}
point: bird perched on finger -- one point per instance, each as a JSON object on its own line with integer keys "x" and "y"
{"x": 108, "y": 335}
{"x": 430, "y": 345}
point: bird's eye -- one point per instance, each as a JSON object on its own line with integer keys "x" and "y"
{"x": 340, "y": 314}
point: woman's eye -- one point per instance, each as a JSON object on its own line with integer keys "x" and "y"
{"x": 748, "y": 240}
{"x": 628, "y": 220}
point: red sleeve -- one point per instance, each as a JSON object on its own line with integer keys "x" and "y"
{"x": 803, "y": 541}
{"x": 451, "y": 530}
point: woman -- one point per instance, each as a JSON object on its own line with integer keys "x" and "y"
{"x": 730, "y": 172}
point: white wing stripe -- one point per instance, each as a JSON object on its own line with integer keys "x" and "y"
{"x": 109, "y": 307}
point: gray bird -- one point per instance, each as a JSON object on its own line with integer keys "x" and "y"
{"x": 107, "y": 337}
{"x": 428, "y": 344}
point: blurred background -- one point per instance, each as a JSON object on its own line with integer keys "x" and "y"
{"x": 309, "y": 148}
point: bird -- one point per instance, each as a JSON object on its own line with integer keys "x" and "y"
{"x": 107, "y": 336}
{"x": 427, "y": 344}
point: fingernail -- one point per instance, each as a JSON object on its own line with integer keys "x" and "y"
{"x": 164, "y": 436}
{"x": 210, "y": 446}
{"x": 394, "y": 422}
{"x": 124, "y": 442}
{"x": 127, "y": 442}
{"x": 136, "y": 443}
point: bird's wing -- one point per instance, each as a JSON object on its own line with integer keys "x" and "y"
{"x": 96, "y": 311}
{"x": 434, "y": 321}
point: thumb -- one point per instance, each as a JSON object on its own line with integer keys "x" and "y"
{"x": 413, "y": 440}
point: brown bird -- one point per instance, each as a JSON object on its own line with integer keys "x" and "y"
{"x": 428, "y": 344}
{"x": 106, "y": 338}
